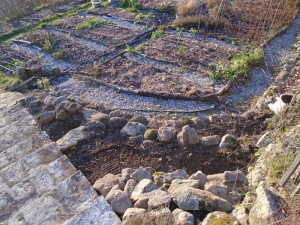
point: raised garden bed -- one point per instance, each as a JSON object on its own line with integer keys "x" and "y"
{"x": 197, "y": 54}
{"x": 64, "y": 47}
{"x": 136, "y": 76}
{"x": 93, "y": 28}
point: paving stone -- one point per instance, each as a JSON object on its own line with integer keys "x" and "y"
{"x": 21, "y": 169}
{"x": 100, "y": 213}
{"x": 34, "y": 186}
{"x": 59, "y": 205}
{"x": 23, "y": 148}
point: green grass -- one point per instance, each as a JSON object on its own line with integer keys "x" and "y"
{"x": 239, "y": 65}
{"x": 91, "y": 23}
{"x": 157, "y": 34}
{"x": 7, "y": 82}
{"x": 50, "y": 19}
{"x": 130, "y": 5}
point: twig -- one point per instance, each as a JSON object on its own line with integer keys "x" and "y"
{"x": 6, "y": 68}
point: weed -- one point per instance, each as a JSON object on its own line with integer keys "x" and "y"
{"x": 43, "y": 83}
{"x": 91, "y": 23}
{"x": 150, "y": 15}
{"x": 59, "y": 54}
{"x": 238, "y": 66}
{"x": 157, "y": 34}
{"x": 131, "y": 5}
{"x": 7, "y": 82}
{"x": 13, "y": 64}
{"x": 179, "y": 31}
{"x": 140, "y": 47}
{"x": 194, "y": 31}
{"x": 130, "y": 50}
{"x": 181, "y": 50}
{"x": 48, "y": 43}
{"x": 139, "y": 17}
{"x": 105, "y": 2}
{"x": 187, "y": 121}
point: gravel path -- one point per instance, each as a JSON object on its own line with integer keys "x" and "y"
{"x": 258, "y": 81}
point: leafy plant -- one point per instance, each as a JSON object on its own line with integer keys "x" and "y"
{"x": 194, "y": 31}
{"x": 130, "y": 50}
{"x": 157, "y": 34}
{"x": 150, "y": 15}
{"x": 44, "y": 84}
{"x": 139, "y": 17}
{"x": 59, "y": 54}
{"x": 48, "y": 43}
{"x": 91, "y": 23}
{"x": 131, "y": 5}
{"x": 181, "y": 50}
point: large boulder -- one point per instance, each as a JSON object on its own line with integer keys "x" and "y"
{"x": 119, "y": 201}
{"x": 157, "y": 199}
{"x": 201, "y": 177}
{"x": 166, "y": 134}
{"x": 210, "y": 140}
{"x": 106, "y": 183}
{"x": 130, "y": 186}
{"x": 268, "y": 207}
{"x": 188, "y": 198}
{"x": 143, "y": 186}
{"x": 117, "y": 122}
{"x": 182, "y": 217}
{"x": 140, "y": 174}
{"x": 178, "y": 174}
{"x": 126, "y": 173}
{"x": 134, "y": 129}
{"x": 142, "y": 203}
{"x": 72, "y": 138}
{"x": 219, "y": 218}
{"x": 229, "y": 141}
{"x": 139, "y": 119}
{"x": 188, "y": 136}
{"x": 178, "y": 183}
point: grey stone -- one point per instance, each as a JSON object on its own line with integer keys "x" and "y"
{"x": 49, "y": 100}
{"x": 134, "y": 129}
{"x": 119, "y": 113}
{"x": 132, "y": 212}
{"x": 240, "y": 212}
{"x": 73, "y": 107}
{"x": 143, "y": 186}
{"x": 165, "y": 134}
{"x": 264, "y": 140}
{"x": 139, "y": 119}
{"x": 182, "y": 217}
{"x": 211, "y": 140}
{"x": 267, "y": 208}
{"x": 130, "y": 186}
{"x": 178, "y": 174}
{"x": 119, "y": 201}
{"x": 201, "y": 121}
{"x": 72, "y": 138}
{"x": 157, "y": 199}
{"x": 126, "y": 173}
{"x": 201, "y": 177}
{"x": 101, "y": 117}
{"x": 188, "y": 136}
{"x": 216, "y": 217}
{"x": 117, "y": 122}
{"x": 106, "y": 183}
{"x": 229, "y": 141}
{"x": 140, "y": 174}
{"x": 46, "y": 117}
{"x": 61, "y": 114}
{"x": 188, "y": 198}
{"x": 142, "y": 203}
{"x": 179, "y": 183}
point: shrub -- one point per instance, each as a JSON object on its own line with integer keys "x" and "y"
{"x": 59, "y": 54}
{"x": 157, "y": 34}
{"x": 43, "y": 83}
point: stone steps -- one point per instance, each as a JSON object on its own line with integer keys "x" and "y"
{"x": 99, "y": 213}
{"x": 58, "y": 205}
{"x": 20, "y": 170}
{"x": 23, "y": 148}
{"x": 35, "y": 186}
{"x": 38, "y": 184}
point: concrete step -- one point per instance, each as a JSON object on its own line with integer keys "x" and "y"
{"x": 36, "y": 185}
{"x": 99, "y": 213}
{"x": 16, "y": 152}
{"x": 58, "y": 205}
{"x": 20, "y": 170}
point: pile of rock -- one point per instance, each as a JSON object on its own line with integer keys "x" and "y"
{"x": 140, "y": 191}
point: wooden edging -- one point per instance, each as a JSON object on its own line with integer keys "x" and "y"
{"x": 208, "y": 97}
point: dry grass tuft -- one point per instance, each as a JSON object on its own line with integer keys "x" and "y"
{"x": 189, "y": 7}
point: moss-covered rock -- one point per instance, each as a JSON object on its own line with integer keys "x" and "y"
{"x": 151, "y": 134}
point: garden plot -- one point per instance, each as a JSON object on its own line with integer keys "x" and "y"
{"x": 190, "y": 53}
{"x": 98, "y": 29}
{"x": 131, "y": 75}
{"x": 64, "y": 47}
{"x": 146, "y": 17}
